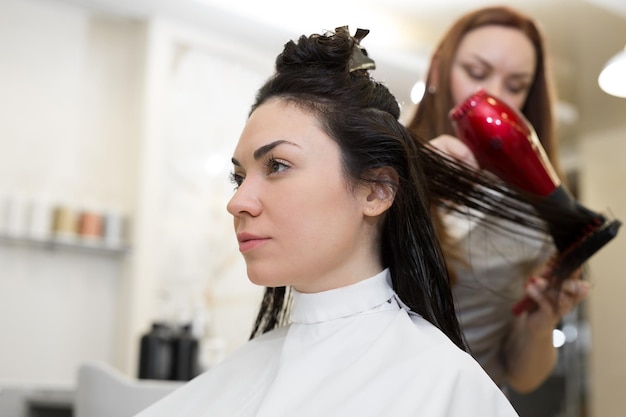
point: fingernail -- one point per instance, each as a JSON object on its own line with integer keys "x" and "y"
{"x": 583, "y": 288}
{"x": 533, "y": 291}
{"x": 531, "y": 280}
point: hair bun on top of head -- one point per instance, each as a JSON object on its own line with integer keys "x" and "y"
{"x": 329, "y": 69}
{"x": 335, "y": 51}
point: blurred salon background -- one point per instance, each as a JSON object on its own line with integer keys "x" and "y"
{"x": 118, "y": 119}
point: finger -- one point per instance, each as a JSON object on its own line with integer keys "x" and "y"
{"x": 584, "y": 288}
{"x": 456, "y": 149}
{"x": 567, "y": 302}
{"x": 570, "y": 288}
{"x": 576, "y": 275}
{"x": 536, "y": 289}
{"x": 572, "y": 293}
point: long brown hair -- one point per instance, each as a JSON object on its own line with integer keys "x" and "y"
{"x": 431, "y": 117}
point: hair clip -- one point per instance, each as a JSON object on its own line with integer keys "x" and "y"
{"x": 359, "y": 59}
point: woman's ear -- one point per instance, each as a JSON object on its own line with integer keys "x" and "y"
{"x": 378, "y": 195}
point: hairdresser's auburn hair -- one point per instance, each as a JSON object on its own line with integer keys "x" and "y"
{"x": 431, "y": 116}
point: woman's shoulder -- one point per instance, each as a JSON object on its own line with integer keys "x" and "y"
{"x": 244, "y": 367}
{"x": 433, "y": 340}
{"x": 439, "y": 368}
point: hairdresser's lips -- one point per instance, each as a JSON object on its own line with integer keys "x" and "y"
{"x": 248, "y": 241}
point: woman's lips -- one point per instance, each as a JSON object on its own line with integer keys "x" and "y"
{"x": 248, "y": 242}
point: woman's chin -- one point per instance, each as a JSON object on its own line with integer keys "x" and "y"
{"x": 264, "y": 278}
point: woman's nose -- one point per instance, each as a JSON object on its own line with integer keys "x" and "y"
{"x": 245, "y": 200}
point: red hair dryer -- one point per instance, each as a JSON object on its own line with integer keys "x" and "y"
{"x": 505, "y": 143}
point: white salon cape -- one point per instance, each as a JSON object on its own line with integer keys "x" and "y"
{"x": 351, "y": 351}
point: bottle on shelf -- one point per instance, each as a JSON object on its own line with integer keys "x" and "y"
{"x": 156, "y": 353}
{"x": 185, "y": 354}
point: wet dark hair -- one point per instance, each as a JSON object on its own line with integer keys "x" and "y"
{"x": 361, "y": 115}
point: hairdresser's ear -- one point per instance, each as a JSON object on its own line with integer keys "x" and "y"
{"x": 378, "y": 195}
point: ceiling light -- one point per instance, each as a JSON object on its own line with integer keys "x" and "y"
{"x": 558, "y": 338}
{"x": 417, "y": 92}
{"x": 612, "y": 79}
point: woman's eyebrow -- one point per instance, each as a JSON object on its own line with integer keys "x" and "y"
{"x": 263, "y": 150}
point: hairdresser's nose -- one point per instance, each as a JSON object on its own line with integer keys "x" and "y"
{"x": 495, "y": 88}
{"x": 246, "y": 200}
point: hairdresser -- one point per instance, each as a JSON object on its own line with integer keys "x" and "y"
{"x": 502, "y": 51}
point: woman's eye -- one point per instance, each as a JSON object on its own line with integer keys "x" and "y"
{"x": 236, "y": 179}
{"x": 275, "y": 166}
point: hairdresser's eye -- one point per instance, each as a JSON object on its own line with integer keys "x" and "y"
{"x": 517, "y": 87}
{"x": 236, "y": 179}
{"x": 475, "y": 72}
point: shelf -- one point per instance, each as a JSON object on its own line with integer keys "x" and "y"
{"x": 76, "y": 244}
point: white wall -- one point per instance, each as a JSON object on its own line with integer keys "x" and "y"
{"x": 196, "y": 96}
{"x": 603, "y": 185}
{"x": 141, "y": 116}
{"x": 67, "y": 135}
